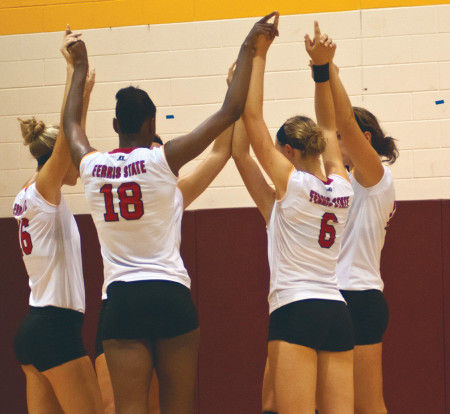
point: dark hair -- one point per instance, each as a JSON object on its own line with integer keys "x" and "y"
{"x": 158, "y": 140}
{"x": 383, "y": 145}
{"x": 133, "y": 107}
{"x": 302, "y": 133}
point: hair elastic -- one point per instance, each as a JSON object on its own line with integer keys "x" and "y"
{"x": 283, "y": 139}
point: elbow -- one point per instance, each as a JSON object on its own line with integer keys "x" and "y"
{"x": 347, "y": 118}
{"x": 233, "y": 111}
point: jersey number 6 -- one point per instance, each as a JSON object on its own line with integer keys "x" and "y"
{"x": 24, "y": 237}
{"x": 130, "y": 202}
{"x": 327, "y": 233}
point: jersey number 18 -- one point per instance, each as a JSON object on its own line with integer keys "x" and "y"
{"x": 130, "y": 202}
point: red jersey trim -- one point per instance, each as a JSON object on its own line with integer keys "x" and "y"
{"x": 328, "y": 182}
{"x": 123, "y": 150}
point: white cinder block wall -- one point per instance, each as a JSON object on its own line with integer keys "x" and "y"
{"x": 395, "y": 62}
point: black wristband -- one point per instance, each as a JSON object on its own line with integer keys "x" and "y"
{"x": 321, "y": 72}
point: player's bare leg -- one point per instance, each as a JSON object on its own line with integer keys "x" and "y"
{"x": 104, "y": 381}
{"x": 369, "y": 380}
{"x": 294, "y": 368}
{"x": 130, "y": 364}
{"x": 41, "y": 398}
{"x": 76, "y": 387}
{"x": 335, "y": 382}
{"x": 268, "y": 390}
{"x": 176, "y": 369}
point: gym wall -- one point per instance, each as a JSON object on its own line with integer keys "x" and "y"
{"x": 394, "y": 60}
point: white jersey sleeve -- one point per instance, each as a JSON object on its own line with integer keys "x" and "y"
{"x": 50, "y": 244}
{"x": 359, "y": 260}
{"x": 304, "y": 237}
{"x": 131, "y": 194}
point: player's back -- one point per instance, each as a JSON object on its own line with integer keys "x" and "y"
{"x": 304, "y": 236}
{"x": 130, "y": 192}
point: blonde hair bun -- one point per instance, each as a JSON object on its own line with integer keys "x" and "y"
{"x": 31, "y": 129}
{"x": 39, "y": 137}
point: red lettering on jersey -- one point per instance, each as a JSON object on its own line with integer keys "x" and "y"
{"x": 109, "y": 172}
{"x": 94, "y": 170}
{"x": 103, "y": 173}
{"x": 142, "y": 163}
{"x": 133, "y": 169}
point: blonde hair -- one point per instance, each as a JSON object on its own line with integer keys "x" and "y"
{"x": 304, "y": 134}
{"x": 40, "y": 138}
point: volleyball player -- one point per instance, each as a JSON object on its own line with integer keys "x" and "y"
{"x": 188, "y": 189}
{"x": 364, "y": 147}
{"x": 59, "y": 374}
{"x": 310, "y": 333}
{"x": 150, "y": 320}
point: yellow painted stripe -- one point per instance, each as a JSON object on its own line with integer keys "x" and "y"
{"x": 34, "y": 16}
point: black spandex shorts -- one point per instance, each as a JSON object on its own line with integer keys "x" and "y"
{"x": 48, "y": 337}
{"x": 370, "y": 315}
{"x": 323, "y": 325}
{"x": 100, "y": 323}
{"x": 148, "y": 310}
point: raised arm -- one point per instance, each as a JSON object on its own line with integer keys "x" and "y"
{"x": 50, "y": 178}
{"x": 368, "y": 169}
{"x": 183, "y": 149}
{"x": 321, "y": 50}
{"x": 194, "y": 183}
{"x": 72, "y": 120}
{"x": 274, "y": 163}
{"x": 261, "y": 192}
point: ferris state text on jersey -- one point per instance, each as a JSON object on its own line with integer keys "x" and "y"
{"x": 337, "y": 202}
{"x": 104, "y": 171}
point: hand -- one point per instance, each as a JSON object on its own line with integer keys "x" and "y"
{"x": 78, "y": 53}
{"x": 90, "y": 82}
{"x": 231, "y": 70}
{"x": 321, "y": 49}
{"x": 69, "y": 39}
{"x": 262, "y": 34}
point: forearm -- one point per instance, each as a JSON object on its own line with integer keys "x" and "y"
{"x": 86, "y": 100}
{"x": 324, "y": 107}
{"x": 254, "y": 103}
{"x": 342, "y": 105}
{"x": 73, "y": 112}
{"x": 236, "y": 96}
{"x": 61, "y": 149}
{"x": 74, "y": 105}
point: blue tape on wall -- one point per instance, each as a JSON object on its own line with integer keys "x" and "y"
{"x": 170, "y": 116}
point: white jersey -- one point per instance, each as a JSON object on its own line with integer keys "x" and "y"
{"x": 50, "y": 244}
{"x": 359, "y": 260}
{"x": 130, "y": 192}
{"x": 179, "y": 208}
{"x": 304, "y": 236}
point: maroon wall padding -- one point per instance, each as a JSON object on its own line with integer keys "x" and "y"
{"x": 233, "y": 281}
{"x": 225, "y": 254}
{"x": 446, "y": 290}
{"x": 13, "y": 307}
{"x": 412, "y": 269}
